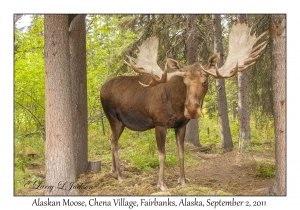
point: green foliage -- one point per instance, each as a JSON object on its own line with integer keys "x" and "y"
{"x": 265, "y": 170}
{"x": 136, "y": 149}
{"x": 144, "y": 154}
{"x": 261, "y": 136}
{"x": 29, "y": 82}
{"x": 109, "y": 39}
{"x": 20, "y": 165}
{"x": 29, "y": 161}
{"x": 105, "y": 45}
{"x": 222, "y": 193}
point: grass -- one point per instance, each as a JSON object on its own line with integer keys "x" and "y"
{"x": 262, "y": 135}
{"x": 29, "y": 161}
{"x": 265, "y": 170}
{"x": 136, "y": 149}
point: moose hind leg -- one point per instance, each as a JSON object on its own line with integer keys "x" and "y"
{"x": 180, "y": 133}
{"x": 160, "y": 133}
{"x": 117, "y": 129}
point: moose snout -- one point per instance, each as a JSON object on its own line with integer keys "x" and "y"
{"x": 192, "y": 110}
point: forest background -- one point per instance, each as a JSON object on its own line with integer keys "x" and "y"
{"x": 6, "y": 87}
{"x": 109, "y": 39}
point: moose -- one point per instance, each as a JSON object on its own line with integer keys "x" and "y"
{"x": 170, "y": 97}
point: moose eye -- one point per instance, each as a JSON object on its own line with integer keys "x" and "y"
{"x": 204, "y": 84}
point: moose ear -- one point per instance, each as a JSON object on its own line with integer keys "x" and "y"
{"x": 174, "y": 64}
{"x": 213, "y": 60}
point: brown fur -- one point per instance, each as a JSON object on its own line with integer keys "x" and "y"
{"x": 213, "y": 60}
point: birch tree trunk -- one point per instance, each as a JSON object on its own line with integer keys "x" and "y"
{"x": 243, "y": 105}
{"x": 278, "y": 50}
{"x": 59, "y": 148}
{"x": 220, "y": 86}
{"x": 192, "y": 42}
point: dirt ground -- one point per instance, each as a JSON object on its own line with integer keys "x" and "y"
{"x": 231, "y": 173}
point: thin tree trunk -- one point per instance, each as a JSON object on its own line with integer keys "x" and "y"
{"x": 79, "y": 92}
{"x": 278, "y": 49}
{"x": 220, "y": 86}
{"x": 243, "y": 105}
{"x": 192, "y": 42}
{"x": 59, "y": 148}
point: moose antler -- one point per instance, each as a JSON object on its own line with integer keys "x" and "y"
{"x": 146, "y": 63}
{"x": 240, "y": 52}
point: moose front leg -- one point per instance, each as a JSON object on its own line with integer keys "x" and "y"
{"x": 180, "y": 133}
{"x": 160, "y": 133}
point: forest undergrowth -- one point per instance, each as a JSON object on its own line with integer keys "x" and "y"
{"x": 208, "y": 170}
